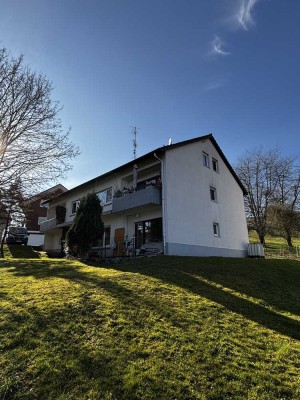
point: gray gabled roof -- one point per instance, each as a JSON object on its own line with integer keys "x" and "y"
{"x": 45, "y": 193}
{"x": 158, "y": 151}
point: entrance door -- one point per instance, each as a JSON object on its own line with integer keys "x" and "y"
{"x": 119, "y": 240}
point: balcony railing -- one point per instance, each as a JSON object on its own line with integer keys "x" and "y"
{"x": 58, "y": 221}
{"x": 147, "y": 196}
{"x": 52, "y": 224}
{"x": 48, "y": 224}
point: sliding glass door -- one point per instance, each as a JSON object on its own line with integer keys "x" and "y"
{"x": 148, "y": 232}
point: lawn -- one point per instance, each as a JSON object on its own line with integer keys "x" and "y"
{"x": 276, "y": 247}
{"x": 154, "y": 328}
{"x": 274, "y": 242}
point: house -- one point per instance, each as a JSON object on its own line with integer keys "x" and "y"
{"x": 184, "y": 198}
{"x": 36, "y": 212}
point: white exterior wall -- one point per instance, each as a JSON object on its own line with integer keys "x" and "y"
{"x": 53, "y": 240}
{"x": 128, "y": 221}
{"x": 125, "y": 220}
{"x": 35, "y": 239}
{"x": 189, "y": 211}
{"x": 116, "y": 182}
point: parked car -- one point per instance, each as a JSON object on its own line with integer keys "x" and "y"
{"x": 17, "y": 234}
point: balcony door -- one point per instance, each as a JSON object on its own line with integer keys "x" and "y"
{"x": 148, "y": 232}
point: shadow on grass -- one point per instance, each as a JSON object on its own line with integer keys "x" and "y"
{"x": 274, "y": 282}
{"x": 89, "y": 280}
{"x": 85, "y": 345}
{"x": 242, "y": 276}
{"x": 60, "y": 331}
{"x": 189, "y": 274}
{"x": 21, "y": 251}
{"x": 67, "y": 329}
{"x": 57, "y": 269}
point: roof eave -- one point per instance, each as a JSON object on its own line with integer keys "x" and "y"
{"x": 157, "y": 151}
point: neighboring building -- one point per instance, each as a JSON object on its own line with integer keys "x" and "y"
{"x": 35, "y": 213}
{"x": 188, "y": 201}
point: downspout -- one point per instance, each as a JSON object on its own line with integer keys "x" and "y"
{"x": 164, "y": 214}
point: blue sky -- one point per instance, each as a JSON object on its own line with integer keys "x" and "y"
{"x": 173, "y": 68}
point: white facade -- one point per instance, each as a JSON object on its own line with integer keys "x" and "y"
{"x": 190, "y": 213}
{"x": 35, "y": 239}
{"x": 200, "y": 206}
{"x": 125, "y": 219}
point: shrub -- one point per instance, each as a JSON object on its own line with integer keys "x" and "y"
{"x": 87, "y": 228}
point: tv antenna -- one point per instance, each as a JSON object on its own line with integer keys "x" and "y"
{"x": 134, "y": 132}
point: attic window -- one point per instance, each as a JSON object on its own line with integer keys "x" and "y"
{"x": 215, "y": 165}
{"x": 205, "y": 159}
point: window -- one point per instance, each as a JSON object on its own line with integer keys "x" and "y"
{"x": 106, "y": 238}
{"x": 215, "y": 165}
{"x": 105, "y": 196}
{"x": 75, "y": 205}
{"x": 205, "y": 159}
{"x": 216, "y": 229}
{"x": 213, "y": 194}
{"x": 148, "y": 231}
{"x": 155, "y": 180}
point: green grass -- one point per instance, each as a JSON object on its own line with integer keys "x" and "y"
{"x": 276, "y": 247}
{"x": 154, "y": 328}
{"x": 13, "y": 251}
{"x": 273, "y": 242}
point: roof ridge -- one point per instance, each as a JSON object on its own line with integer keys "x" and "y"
{"x": 160, "y": 149}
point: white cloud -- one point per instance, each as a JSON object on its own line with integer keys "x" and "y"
{"x": 217, "y": 47}
{"x": 214, "y": 85}
{"x": 244, "y": 15}
{"x": 240, "y": 17}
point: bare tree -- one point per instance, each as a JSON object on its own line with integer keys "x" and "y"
{"x": 11, "y": 200}
{"x": 33, "y": 146}
{"x": 284, "y": 221}
{"x": 257, "y": 171}
{"x": 288, "y": 187}
{"x": 273, "y": 185}
{"x": 284, "y": 212}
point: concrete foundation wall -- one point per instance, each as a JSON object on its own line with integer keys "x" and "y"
{"x": 178, "y": 249}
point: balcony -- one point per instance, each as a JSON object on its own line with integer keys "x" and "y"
{"x": 57, "y": 222}
{"x": 150, "y": 195}
{"x": 48, "y": 224}
{"x": 52, "y": 223}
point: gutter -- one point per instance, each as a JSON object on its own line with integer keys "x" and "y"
{"x": 164, "y": 213}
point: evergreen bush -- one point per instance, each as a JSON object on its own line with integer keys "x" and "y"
{"x": 87, "y": 228}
